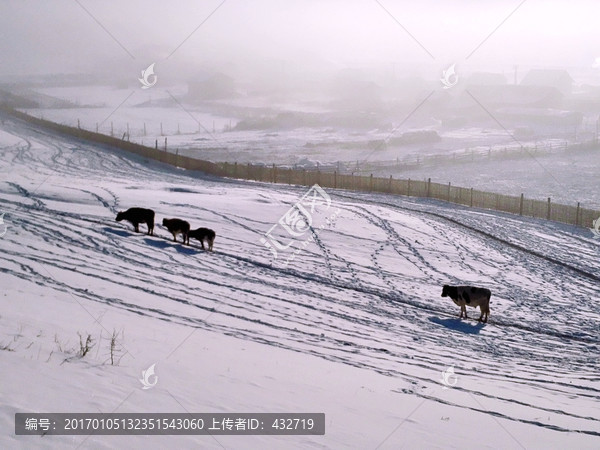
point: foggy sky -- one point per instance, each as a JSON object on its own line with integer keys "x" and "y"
{"x": 59, "y": 36}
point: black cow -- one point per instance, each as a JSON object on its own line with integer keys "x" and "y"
{"x": 137, "y": 216}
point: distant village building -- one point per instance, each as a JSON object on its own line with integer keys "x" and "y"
{"x": 558, "y": 79}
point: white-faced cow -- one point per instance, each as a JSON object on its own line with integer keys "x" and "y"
{"x": 472, "y": 296}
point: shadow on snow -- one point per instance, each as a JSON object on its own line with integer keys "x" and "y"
{"x": 458, "y": 325}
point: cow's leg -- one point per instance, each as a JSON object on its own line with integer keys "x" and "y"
{"x": 137, "y": 227}
{"x": 202, "y": 243}
{"x": 464, "y": 310}
{"x": 174, "y": 237}
{"x": 485, "y": 311}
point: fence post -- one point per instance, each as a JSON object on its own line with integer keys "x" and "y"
{"x": 521, "y": 205}
{"x": 371, "y": 183}
{"x": 549, "y": 207}
{"x": 577, "y": 215}
{"x": 448, "y": 192}
{"x": 248, "y": 171}
{"x": 156, "y": 144}
{"x": 471, "y": 202}
{"x": 428, "y": 187}
{"x": 390, "y": 188}
{"x": 274, "y": 174}
{"x": 303, "y": 177}
{"x": 318, "y": 176}
{"x": 408, "y": 189}
{"x": 235, "y": 170}
{"x": 165, "y": 144}
{"x": 335, "y": 178}
{"x": 111, "y": 129}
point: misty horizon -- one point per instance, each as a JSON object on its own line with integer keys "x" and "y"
{"x": 296, "y": 40}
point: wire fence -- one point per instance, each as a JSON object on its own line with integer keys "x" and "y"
{"x": 574, "y": 215}
{"x": 569, "y": 214}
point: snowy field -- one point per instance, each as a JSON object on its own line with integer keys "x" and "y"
{"x": 353, "y": 327}
{"x": 203, "y": 131}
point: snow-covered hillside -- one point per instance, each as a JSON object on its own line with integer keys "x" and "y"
{"x": 353, "y": 327}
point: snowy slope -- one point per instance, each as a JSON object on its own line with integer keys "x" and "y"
{"x": 354, "y": 326}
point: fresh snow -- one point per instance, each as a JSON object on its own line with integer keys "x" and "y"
{"x": 354, "y": 326}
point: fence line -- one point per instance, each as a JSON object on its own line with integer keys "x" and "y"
{"x": 573, "y": 215}
{"x": 404, "y": 163}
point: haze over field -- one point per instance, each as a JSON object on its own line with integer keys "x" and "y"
{"x": 65, "y": 36}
